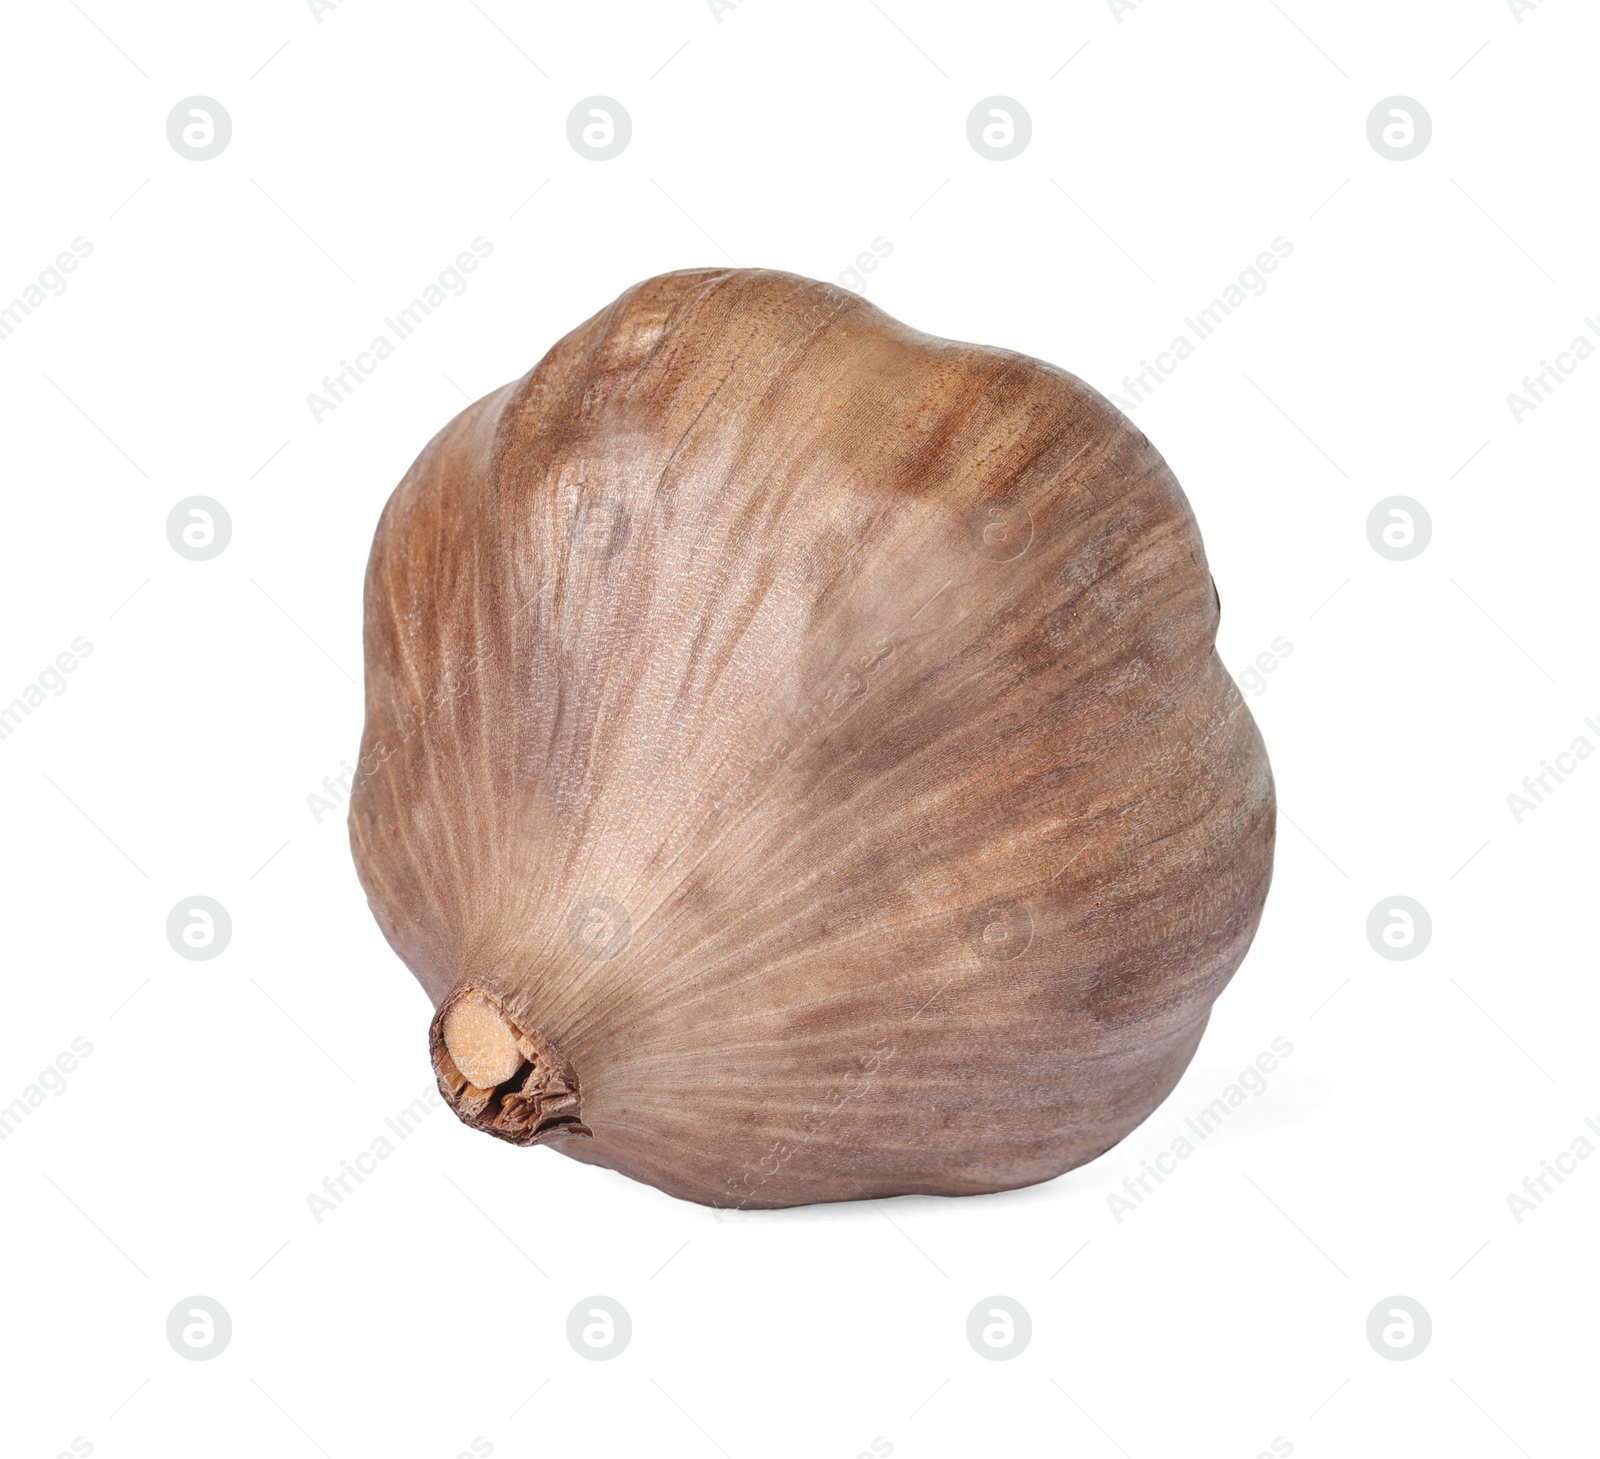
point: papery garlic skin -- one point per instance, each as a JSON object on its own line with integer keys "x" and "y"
{"x": 805, "y": 737}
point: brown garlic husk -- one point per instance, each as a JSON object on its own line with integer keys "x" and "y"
{"x": 797, "y": 765}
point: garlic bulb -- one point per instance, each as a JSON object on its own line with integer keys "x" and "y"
{"x": 796, "y": 763}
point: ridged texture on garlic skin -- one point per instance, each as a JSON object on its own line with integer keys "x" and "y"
{"x": 810, "y": 730}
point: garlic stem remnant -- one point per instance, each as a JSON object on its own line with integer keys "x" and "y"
{"x": 481, "y": 1043}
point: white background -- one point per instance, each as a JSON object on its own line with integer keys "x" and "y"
{"x": 1171, "y": 144}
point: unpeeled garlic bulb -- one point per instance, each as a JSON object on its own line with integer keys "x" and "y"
{"x": 796, "y": 764}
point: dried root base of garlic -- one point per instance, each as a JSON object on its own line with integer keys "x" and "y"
{"x": 498, "y": 1077}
